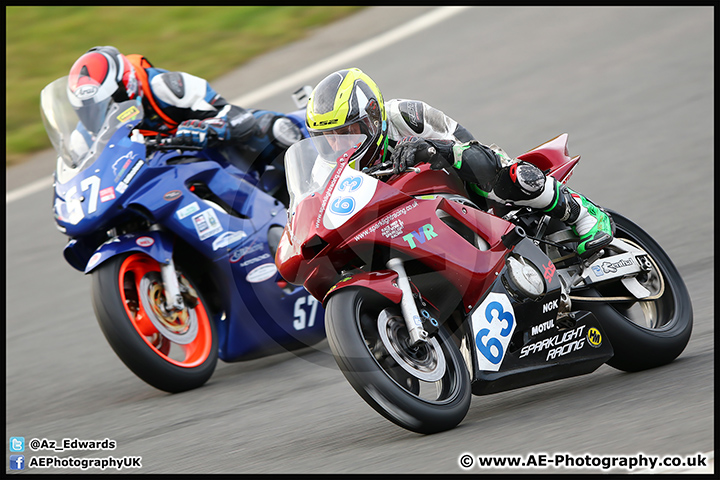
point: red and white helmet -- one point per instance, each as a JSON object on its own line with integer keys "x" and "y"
{"x": 99, "y": 76}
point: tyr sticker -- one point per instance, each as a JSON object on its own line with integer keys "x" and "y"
{"x": 426, "y": 232}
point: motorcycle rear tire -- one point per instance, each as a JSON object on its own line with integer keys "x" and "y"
{"x": 148, "y": 361}
{"x": 639, "y": 347}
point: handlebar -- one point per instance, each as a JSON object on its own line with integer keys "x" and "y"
{"x": 421, "y": 157}
{"x": 168, "y": 143}
{"x": 386, "y": 168}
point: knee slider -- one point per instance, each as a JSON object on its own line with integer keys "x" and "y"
{"x": 520, "y": 181}
{"x": 528, "y": 178}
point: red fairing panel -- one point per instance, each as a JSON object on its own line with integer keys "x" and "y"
{"x": 552, "y": 157}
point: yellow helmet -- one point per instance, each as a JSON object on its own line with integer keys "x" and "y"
{"x": 348, "y": 101}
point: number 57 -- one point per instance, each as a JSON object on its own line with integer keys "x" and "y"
{"x": 300, "y": 315}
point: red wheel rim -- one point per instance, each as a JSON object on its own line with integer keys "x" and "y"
{"x": 132, "y": 270}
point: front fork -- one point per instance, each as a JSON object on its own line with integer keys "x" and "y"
{"x": 409, "y": 310}
{"x": 174, "y": 291}
{"x": 173, "y": 297}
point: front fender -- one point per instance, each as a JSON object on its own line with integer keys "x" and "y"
{"x": 158, "y": 245}
{"x": 383, "y": 282}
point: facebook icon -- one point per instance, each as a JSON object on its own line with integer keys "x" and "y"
{"x": 17, "y": 462}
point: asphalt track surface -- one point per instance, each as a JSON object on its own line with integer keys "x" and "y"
{"x": 634, "y": 89}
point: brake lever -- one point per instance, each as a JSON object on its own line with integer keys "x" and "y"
{"x": 389, "y": 171}
{"x": 372, "y": 170}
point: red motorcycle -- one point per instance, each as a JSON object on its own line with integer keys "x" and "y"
{"x": 432, "y": 295}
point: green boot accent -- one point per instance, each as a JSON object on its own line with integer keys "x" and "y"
{"x": 600, "y": 235}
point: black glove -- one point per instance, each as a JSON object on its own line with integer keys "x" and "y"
{"x": 201, "y": 132}
{"x": 411, "y": 151}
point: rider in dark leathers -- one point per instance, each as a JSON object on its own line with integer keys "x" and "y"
{"x": 175, "y": 103}
{"x": 349, "y": 101}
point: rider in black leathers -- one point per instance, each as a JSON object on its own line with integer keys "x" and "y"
{"x": 175, "y": 103}
{"x": 349, "y": 101}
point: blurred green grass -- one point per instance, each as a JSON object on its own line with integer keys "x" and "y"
{"x": 43, "y": 42}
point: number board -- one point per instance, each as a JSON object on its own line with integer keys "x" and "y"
{"x": 352, "y": 193}
{"x": 493, "y": 325}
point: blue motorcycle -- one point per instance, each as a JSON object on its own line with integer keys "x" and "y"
{"x": 180, "y": 243}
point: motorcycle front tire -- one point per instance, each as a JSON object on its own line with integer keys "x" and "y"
{"x": 351, "y": 322}
{"x": 137, "y": 342}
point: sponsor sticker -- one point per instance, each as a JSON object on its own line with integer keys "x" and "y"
{"x": 259, "y": 258}
{"x": 550, "y": 306}
{"x": 239, "y": 253}
{"x": 338, "y": 284}
{"x": 612, "y": 267}
{"x": 133, "y": 171}
{"x": 549, "y": 271}
{"x": 391, "y": 226}
{"x": 107, "y": 194}
{"x": 616, "y": 266}
{"x": 122, "y": 186}
{"x": 207, "y": 224}
{"x": 538, "y": 329}
{"x": 426, "y": 232}
{"x": 264, "y": 272}
{"x": 172, "y": 195}
{"x": 122, "y": 164}
{"x": 188, "y": 210}
{"x": 558, "y": 345}
{"x": 395, "y": 229}
{"x": 228, "y": 238}
{"x": 594, "y": 337}
{"x": 94, "y": 259}
{"x": 145, "y": 241}
{"x": 128, "y": 114}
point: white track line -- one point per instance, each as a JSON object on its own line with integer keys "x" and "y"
{"x": 292, "y": 81}
{"x": 29, "y": 189}
{"x": 342, "y": 59}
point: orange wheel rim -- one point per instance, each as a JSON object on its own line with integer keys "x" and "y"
{"x": 132, "y": 270}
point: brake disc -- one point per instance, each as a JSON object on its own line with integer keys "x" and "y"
{"x": 425, "y": 361}
{"x": 178, "y": 326}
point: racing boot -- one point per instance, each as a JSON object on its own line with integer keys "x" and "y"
{"x": 588, "y": 221}
{"x": 524, "y": 184}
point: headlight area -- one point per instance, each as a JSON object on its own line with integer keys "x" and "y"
{"x": 523, "y": 279}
